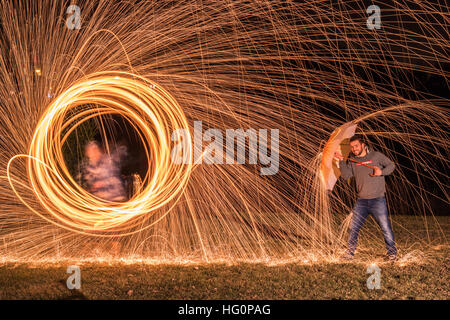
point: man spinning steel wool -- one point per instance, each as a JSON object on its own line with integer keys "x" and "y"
{"x": 369, "y": 169}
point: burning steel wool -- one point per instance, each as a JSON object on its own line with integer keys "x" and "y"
{"x": 155, "y": 115}
{"x": 243, "y": 69}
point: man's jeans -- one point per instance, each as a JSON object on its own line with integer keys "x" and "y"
{"x": 377, "y": 207}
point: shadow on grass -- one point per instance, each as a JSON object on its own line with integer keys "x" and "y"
{"x": 74, "y": 294}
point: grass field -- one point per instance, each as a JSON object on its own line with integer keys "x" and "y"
{"x": 426, "y": 277}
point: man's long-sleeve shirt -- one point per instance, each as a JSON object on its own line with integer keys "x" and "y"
{"x": 103, "y": 178}
{"x": 368, "y": 187}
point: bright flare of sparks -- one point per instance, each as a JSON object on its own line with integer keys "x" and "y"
{"x": 152, "y": 112}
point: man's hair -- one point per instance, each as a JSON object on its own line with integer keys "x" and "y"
{"x": 358, "y": 137}
{"x": 94, "y": 143}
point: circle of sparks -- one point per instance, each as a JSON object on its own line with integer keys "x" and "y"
{"x": 152, "y": 112}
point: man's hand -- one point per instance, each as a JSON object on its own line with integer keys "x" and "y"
{"x": 376, "y": 172}
{"x": 338, "y": 155}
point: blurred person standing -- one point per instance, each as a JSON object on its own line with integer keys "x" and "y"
{"x": 100, "y": 174}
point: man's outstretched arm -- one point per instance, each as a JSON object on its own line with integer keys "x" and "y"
{"x": 346, "y": 169}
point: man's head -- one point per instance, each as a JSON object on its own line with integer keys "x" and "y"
{"x": 93, "y": 152}
{"x": 358, "y": 145}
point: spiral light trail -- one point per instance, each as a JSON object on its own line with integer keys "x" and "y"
{"x": 153, "y": 112}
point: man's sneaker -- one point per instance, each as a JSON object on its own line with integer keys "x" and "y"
{"x": 391, "y": 258}
{"x": 347, "y": 256}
